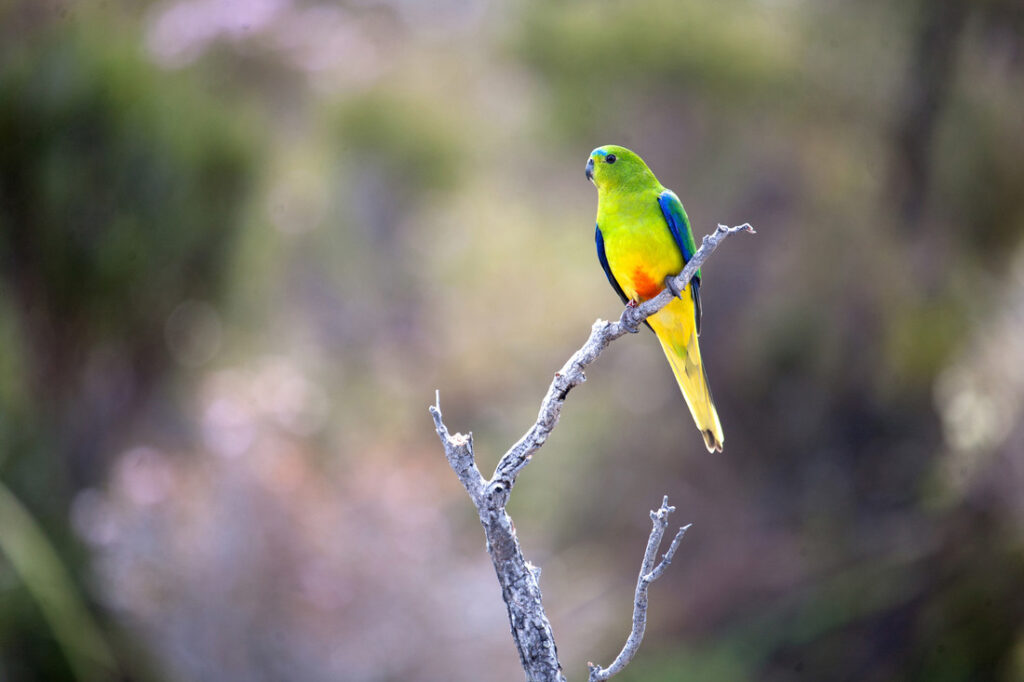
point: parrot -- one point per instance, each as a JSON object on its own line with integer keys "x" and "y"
{"x": 644, "y": 240}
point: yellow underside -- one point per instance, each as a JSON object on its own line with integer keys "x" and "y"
{"x": 641, "y": 253}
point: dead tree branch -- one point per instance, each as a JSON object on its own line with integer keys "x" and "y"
{"x": 520, "y": 588}
{"x": 648, "y": 574}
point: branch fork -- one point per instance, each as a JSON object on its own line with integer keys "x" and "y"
{"x": 649, "y": 572}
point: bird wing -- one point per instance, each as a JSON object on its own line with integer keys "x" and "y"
{"x": 599, "y": 239}
{"x": 679, "y": 226}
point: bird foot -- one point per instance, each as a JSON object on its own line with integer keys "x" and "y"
{"x": 670, "y": 284}
{"x": 626, "y": 321}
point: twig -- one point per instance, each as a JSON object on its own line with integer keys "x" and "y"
{"x": 459, "y": 451}
{"x": 648, "y": 574}
{"x": 518, "y": 578}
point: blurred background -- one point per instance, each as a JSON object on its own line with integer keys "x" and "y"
{"x": 242, "y": 242}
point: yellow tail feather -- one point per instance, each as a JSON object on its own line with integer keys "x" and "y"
{"x": 675, "y": 330}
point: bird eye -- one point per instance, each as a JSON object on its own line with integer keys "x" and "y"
{"x": 610, "y": 158}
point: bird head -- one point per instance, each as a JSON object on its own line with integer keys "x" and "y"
{"x": 613, "y": 167}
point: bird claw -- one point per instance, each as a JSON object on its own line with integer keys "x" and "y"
{"x": 670, "y": 284}
{"x": 626, "y": 323}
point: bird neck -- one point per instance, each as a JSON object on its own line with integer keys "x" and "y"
{"x": 628, "y": 191}
{"x": 631, "y": 184}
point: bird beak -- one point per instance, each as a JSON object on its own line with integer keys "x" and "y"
{"x": 590, "y": 169}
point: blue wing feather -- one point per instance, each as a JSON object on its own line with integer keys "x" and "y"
{"x": 679, "y": 226}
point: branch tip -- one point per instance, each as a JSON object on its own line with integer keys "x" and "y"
{"x": 745, "y": 227}
{"x": 661, "y": 515}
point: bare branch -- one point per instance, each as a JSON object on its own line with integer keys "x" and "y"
{"x": 520, "y": 588}
{"x": 519, "y": 579}
{"x": 459, "y": 451}
{"x": 648, "y": 574}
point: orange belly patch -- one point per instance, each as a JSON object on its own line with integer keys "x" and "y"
{"x": 645, "y": 285}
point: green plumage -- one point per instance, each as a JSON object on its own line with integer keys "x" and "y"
{"x": 643, "y": 237}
